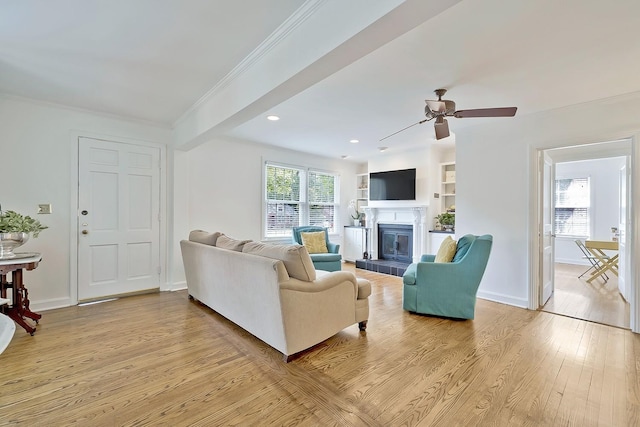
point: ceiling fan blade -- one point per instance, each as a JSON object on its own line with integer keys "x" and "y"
{"x": 442, "y": 128}
{"x": 487, "y": 112}
{"x": 417, "y": 123}
{"x": 436, "y": 106}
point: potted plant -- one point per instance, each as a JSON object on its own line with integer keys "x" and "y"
{"x": 15, "y": 230}
{"x": 355, "y": 213}
{"x": 447, "y": 220}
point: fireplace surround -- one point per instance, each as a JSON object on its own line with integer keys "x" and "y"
{"x": 413, "y": 215}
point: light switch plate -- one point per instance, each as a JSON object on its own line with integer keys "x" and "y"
{"x": 45, "y": 209}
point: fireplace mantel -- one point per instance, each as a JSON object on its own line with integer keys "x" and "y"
{"x": 415, "y": 215}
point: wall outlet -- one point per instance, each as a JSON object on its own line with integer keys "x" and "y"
{"x": 45, "y": 209}
{"x": 436, "y": 195}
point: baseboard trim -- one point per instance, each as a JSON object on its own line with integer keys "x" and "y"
{"x": 503, "y": 299}
{"x": 50, "y": 304}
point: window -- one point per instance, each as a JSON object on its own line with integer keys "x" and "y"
{"x": 299, "y": 196}
{"x": 572, "y": 205}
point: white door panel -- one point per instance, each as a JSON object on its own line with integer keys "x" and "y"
{"x": 118, "y": 212}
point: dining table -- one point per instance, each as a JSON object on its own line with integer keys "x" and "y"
{"x": 605, "y": 262}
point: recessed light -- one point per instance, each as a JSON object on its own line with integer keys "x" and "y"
{"x": 344, "y": 156}
{"x": 382, "y": 149}
{"x": 354, "y": 141}
{"x": 273, "y": 118}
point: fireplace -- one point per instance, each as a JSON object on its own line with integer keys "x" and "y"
{"x": 403, "y": 246}
{"x": 413, "y": 217}
{"x": 395, "y": 242}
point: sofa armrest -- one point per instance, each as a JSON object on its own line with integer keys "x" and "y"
{"x": 322, "y": 282}
{"x": 427, "y": 258}
{"x": 333, "y": 248}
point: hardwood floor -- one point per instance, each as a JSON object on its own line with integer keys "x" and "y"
{"x": 598, "y": 301}
{"x": 160, "y": 359}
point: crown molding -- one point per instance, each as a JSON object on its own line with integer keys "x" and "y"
{"x": 282, "y": 32}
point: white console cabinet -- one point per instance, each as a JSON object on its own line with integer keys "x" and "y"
{"x": 355, "y": 243}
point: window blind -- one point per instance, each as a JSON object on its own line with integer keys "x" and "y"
{"x": 572, "y": 207}
{"x": 295, "y": 196}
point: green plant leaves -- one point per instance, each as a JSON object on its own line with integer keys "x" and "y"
{"x": 13, "y": 222}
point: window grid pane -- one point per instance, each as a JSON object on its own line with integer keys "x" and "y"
{"x": 286, "y": 191}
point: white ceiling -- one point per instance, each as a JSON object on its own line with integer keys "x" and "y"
{"x": 154, "y": 60}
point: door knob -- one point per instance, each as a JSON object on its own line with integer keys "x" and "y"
{"x": 85, "y": 231}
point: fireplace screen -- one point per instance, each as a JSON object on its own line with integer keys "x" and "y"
{"x": 395, "y": 242}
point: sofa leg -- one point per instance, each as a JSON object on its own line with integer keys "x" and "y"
{"x": 362, "y": 325}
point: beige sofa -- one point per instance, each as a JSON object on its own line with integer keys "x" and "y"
{"x": 273, "y": 291}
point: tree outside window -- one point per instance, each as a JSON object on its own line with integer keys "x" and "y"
{"x": 297, "y": 196}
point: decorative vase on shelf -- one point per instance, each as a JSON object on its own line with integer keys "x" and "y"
{"x": 356, "y": 222}
{"x": 11, "y": 241}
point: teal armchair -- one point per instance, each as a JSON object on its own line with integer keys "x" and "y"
{"x": 448, "y": 289}
{"x": 331, "y": 261}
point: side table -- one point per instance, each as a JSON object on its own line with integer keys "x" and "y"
{"x": 19, "y": 309}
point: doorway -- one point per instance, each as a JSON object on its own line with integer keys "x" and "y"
{"x": 589, "y": 196}
{"x": 118, "y": 222}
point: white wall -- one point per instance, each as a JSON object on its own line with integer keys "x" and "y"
{"x": 427, "y": 161}
{"x": 496, "y": 180}
{"x": 222, "y": 181}
{"x": 36, "y": 148}
{"x": 604, "y": 177}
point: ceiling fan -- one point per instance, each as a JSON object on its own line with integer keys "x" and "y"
{"x": 444, "y": 108}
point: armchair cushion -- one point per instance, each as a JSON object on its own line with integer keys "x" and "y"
{"x": 447, "y": 250}
{"x": 464, "y": 243}
{"x": 315, "y": 241}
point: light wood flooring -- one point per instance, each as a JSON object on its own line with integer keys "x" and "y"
{"x": 162, "y": 360}
{"x": 598, "y": 301}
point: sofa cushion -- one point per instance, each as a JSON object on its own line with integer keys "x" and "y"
{"x": 295, "y": 258}
{"x": 447, "y": 250}
{"x": 463, "y": 246}
{"x": 201, "y": 236}
{"x": 226, "y": 242}
{"x": 314, "y": 241}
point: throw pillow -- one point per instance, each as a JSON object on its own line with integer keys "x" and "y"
{"x": 201, "y": 236}
{"x": 447, "y": 250}
{"x": 226, "y": 242}
{"x": 295, "y": 258}
{"x": 315, "y": 242}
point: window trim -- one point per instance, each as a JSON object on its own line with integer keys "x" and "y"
{"x": 304, "y": 199}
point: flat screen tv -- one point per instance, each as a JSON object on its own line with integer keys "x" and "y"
{"x": 393, "y": 185}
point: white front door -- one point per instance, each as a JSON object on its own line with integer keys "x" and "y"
{"x": 547, "y": 268}
{"x": 118, "y": 218}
